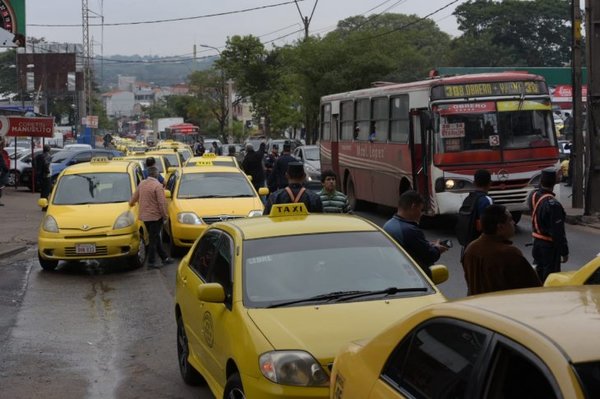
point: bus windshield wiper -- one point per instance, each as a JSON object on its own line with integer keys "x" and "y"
{"x": 317, "y": 298}
{"x": 387, "y": 291}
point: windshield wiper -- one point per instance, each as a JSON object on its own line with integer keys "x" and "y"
{"x": 240, "y": 196}
{"x": 387, "y": 291}
{"x": 317, "y": 298}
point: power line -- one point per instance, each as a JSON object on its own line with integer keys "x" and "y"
{"x": 156, "y": 21}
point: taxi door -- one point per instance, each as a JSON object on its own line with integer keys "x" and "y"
{"x": 193, "y": 310}
{"x": 217, "y": 318}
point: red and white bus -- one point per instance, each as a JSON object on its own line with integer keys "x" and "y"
{"x": 432, "y": 135}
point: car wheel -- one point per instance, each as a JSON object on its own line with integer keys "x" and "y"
{"x": 13, "y": 178}
{"x": 175, "y": 250}
{"x": 516, "y": 216}
{"x": 188, "y": 373}
{"x": 355, "y": 204}
{"x": 139, "y": 258}
{"x": 234, "y": 388}
{"x": 46, "y": 264}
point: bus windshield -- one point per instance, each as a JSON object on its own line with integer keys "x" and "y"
{"x": 493, "y": 126}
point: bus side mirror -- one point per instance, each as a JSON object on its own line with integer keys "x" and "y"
{"x": 426, "y": 120}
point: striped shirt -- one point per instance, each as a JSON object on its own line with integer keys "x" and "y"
{"x": 151, "y": 196}
{"x": 335, "y": 202}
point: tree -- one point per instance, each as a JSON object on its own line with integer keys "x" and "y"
{"x": 513, "y": 33}
{"x": 209, "y": 89}
{"x": 8, "y": 73}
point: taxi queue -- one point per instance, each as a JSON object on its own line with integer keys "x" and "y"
{"x": 299, "y": 305}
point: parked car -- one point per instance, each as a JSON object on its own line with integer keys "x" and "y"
{"x": 20, "y": 167}
{"x": 65, "y": 158}
{"x": 309, "y": 155}
{"x": 75, "y": 147}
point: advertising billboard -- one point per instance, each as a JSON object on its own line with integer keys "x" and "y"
{"x": 12, "y": 17}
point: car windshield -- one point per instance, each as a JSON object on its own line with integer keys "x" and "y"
{"x": 172, "y": 158}
{"x": 142, "y": 161}
{"x": 290, "y": 269}
{"x": 93, "y": 188}
{"x": 214, "y": 185}
{"x": 589, "y": 375}
{"x": 489, "y": 126}
{"x": 311, "y": 154}
{"x": 62, "y": 156}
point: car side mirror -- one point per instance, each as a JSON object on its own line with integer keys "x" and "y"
{"x": 249, "y": 177}
{"x": 167, "y": 193}
{"x": 439, "y": 273}
{"x": 42, "y": 203}
{"x": 211, "y": 292}
{"x": 263, "y": 191}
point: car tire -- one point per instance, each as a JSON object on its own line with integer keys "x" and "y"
{"x": 355, "y": 203}
{"x": 234, "y": 388}
{"x": 48, "y": 265}
{"x": 137, "y": 260}
{"x": 13, "y": 178}
{"x": 188, "y": 373}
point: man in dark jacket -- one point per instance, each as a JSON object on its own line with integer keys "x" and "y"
{"x": 404, "y": 228}
{"x": 42, "y": 171}
{"x": 253, "y": 166}
{"x": 491, "y": 262}
{"x": 550, "y": 247}
{"x": 277, "y": 179}
{"x": 295, "y": 191}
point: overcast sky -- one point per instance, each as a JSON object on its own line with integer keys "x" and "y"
{"x": 177, "y": 38}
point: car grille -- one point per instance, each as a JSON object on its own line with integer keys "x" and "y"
{"x": 100, "y": 251}
{"x": 220, "y": 218}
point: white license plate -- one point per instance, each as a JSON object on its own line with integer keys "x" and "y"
{"x": 85, "y": 248}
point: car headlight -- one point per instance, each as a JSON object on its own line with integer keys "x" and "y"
{"x": 254, "y": 213}
{"x": 296, "y": 368}
{"x": 310, "y": 169}
{"x": 125, "y": 219}
{"x": 188, "y": 218}
{"x": 49, "y": 224}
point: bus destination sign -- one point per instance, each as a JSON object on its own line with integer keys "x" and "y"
{"x": 489, "y": 89}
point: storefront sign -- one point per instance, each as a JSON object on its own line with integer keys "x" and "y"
{"x": 16, "y": 126}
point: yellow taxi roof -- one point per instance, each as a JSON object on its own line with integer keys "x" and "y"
{"x": 210, "y": 168}
{"x": 98, "y": 166}
{"x": 568, "y": 316}
{"x": 316, "y": 223}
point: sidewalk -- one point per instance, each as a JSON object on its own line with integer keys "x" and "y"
{"x": 574, "y": 215}
{"x": 20, "y": 218}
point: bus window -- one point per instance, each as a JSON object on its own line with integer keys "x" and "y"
{"x": 399, "y": 123}
{"x": 326, "y": 122}
{"x": 526, "y": 129}
{"x": 380, "y": 119}
{"x": 363, "y": 119}
{"x": 347, "y": 109}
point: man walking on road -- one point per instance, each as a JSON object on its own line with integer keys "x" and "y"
{"x": 404, "y": 228}
{"x": 333, "y": 200}
{"x": 550, "y": 247}
{"x": 295, "y": 192}
{"x": 277, "y": 178}
{"x": 153, "y": 211}
{"x": 42, "y": 171}
{"x": 491, "y": 262}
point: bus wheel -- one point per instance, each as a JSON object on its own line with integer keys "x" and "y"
{"x": 516, "y": 216}
{"x": 355, "y": 204}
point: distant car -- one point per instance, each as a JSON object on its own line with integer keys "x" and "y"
{"x": 588, "y": 274}
{"x": 88, "y": 215}
{"x": 65, "y": 158}
{"x": 563, "y": 153}
{"x": 529, "y": 343}
{"x": 20, "y": 170}
{"x": 293, "y": 144}
{"x": 309, "y": 155}
{"x": 75, "y": 147}
{"x": 215, "y": 160}
{"x": 263, "y": 304}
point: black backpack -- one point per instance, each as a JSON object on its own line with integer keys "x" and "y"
{"x": 465, "y": 223}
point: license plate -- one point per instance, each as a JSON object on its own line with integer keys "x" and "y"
{"x": 85, "y": 248}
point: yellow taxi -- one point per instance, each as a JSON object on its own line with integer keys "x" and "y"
{"x": 203, "y": 194}
{"x": 588, "y": 274}
{"x": 88, "y": 215}
{"x": 161, "y": 163}
{"x": 529, "y": 343}
{"x": 184, "y": 149}
{"x": 264, "y": 304}
{"x": 217, "y": 160}
{"x": 174, "y": 158}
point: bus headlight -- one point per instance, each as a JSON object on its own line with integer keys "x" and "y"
{"x": 452, "y": 184}
{"x": 449, "y": 184}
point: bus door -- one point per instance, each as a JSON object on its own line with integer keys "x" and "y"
{"x": 335, "y": 156}
{"x": 419, "y": 150}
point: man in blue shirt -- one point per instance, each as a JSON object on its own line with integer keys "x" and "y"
{"x": 404, "y": 228}
{"x": 150, "y": 161}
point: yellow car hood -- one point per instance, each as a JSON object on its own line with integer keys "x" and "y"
{"x": 219, "y": 206}
{"x": 322, "y": 330}
{"x": 93, "y": 216}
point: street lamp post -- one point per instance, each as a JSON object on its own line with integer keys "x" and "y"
{"x": 224, "y": 103}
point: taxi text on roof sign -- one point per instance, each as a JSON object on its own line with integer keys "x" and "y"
{"x": 204, "y": 163}
{"x": 293, "y": 209}
{"x": 99, "y": 160}
{"x": 209, "y": 155}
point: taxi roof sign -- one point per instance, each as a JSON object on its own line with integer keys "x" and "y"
{"x": 292, "y": 209}
{"x": 116, "y": 158}
{"x": 203, "y": 162}
{"x": 99, "y": 160}
{"x": 209, "y": 155}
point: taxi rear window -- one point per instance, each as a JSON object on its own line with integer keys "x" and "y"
{"x": 283, "y": 269}
{"x": 93, "y": 188}
{"x": 589, "y": 375}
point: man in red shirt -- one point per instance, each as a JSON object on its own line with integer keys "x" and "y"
{"x": 153, "y": 211}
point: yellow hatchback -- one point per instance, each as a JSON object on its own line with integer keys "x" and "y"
{"x": 588, "y": 274}
{"x": 216, "y": 160}
{"x": 530, "y": 343}
{"x": 202, "y": 195}
{"x": 88, "y": 215}
{"x": 263, "y": 304}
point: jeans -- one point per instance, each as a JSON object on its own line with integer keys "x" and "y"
{"x": 154, "y": 228}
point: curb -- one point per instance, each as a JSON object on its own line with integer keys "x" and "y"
{"x": 12, "y": 251}
{"x": 583, "y": 220}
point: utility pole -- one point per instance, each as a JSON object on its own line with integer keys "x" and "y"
{"x": 306, "y": 20}
{"x": 577, "y": 169}
{"x": 592, "y": 196}
{"x": 87, "y": 86}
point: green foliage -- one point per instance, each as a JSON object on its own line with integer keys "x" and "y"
{"x": 513, "y": 33}
{"x": 8, "y": 73}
